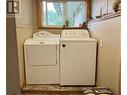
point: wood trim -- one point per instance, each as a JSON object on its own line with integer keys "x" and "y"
{"x": 50, "y": 92}
{"x": 88, "y": 4}
{"x": 106, "y": 17}
{"x": 61, "y": 28}
{"x": 39, "y": 13}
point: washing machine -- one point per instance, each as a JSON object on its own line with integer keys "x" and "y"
{"x": 77, "y": 58}
{"x": 42, "y": 58}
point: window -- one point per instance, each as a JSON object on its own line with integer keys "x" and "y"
{"x": 56, "y": 12}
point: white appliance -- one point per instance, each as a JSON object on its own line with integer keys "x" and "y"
{"x": 77, "y": 58}
{"x": 42, "y": 58}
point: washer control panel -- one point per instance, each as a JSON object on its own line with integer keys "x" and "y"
{"x": 75, "y": 33}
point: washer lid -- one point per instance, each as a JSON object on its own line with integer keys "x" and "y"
{"x": 75, "y": 33}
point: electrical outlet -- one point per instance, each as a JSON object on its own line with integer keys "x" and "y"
{"x": 101, "y": 43}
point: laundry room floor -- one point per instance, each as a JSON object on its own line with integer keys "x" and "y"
{"x": 51, "y": 90}
{"x": 64, "y": 90}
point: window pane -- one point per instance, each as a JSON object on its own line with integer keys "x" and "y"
{"x": 75, "y": 13}
{"x": 54, "y": 14}
{"x": 44, "y": 13}
{"x": 57, "y": 12}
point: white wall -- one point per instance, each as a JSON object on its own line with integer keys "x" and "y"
{"x": 108, "y": 61}
{"x": 27, "y": 17}
{"x": 25, "y": 26}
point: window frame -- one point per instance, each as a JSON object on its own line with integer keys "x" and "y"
{"x": 39, "y": 15}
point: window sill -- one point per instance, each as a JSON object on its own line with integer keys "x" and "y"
{"x": 61, "y": 28}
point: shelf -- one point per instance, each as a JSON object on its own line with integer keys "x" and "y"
{"x": 106, "y": 17}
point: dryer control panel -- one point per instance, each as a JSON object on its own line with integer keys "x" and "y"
{"x": 44, "y": 34}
